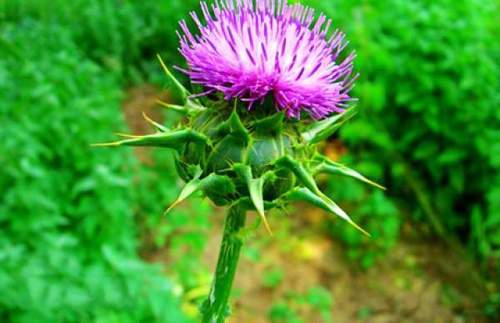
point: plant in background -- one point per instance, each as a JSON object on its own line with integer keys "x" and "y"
{"x": 376, "y": 213}
{"x": 122, "y": 36}
{"x": 68, "y": 244}
{"x": 290, "y": 308}
{"x": 430, "y": 117}
{"x": 270, "y": 76}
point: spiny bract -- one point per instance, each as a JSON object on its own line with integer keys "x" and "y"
{"x": 258, "y": 158}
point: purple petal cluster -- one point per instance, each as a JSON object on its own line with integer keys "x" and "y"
{"x": 248, "y": 49}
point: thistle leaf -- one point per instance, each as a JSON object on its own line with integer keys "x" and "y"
{"x": 312, "y": 188}
{"x": 323, "y": 129}
{"x": 247, "y": 204}
{"x": 183, "y": 91}
{"x": 126, "y": 135}
{"x": 171, "y": 139}
{"x": 218, "y": 188}
{"x": 226, "y": 153}
{"x": 328, "y": 166}
{"x": 188, "y": 190}
{"x": 237, "y": 128}
{"x": 323, "y": 202}
{"x": 272, "y": 124}
{"x": 300, "y": 172}
{"x": 304, "y": 194}
{"x": 194, "y": 106}
{"x": 256, "y": 190}
{"x": 174, "y": 107}
{"x": 155, "y": 124}
{"x": 191, "y": 105}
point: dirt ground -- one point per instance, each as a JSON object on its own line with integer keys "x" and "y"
{"x": 418, "y": 281}
{"x": 410, "y": 284}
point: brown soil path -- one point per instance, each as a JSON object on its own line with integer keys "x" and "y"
{"x": 405, "y": 286}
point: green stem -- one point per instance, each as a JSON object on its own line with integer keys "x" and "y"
{"x": 215, "y": 308}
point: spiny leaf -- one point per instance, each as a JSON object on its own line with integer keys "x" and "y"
{"x": 304, "y": 194}
{"x": 247, "y": 204}
{"x": 191, "y": 187}
{"x": 191, "y": 105}
{"x": 220, "y": 183}
{"x": 155, "y": 124}
{"x": 227, "y": 152}
{"x": 237, "y": 128}
{"x": 323, "y": 129}
{"x": 300, "y": 172}
{"x": 175, "y": 107}
{"x": 256, "y": 190}
{"x": 308, "y": 181}
{"x": 126, "y": 135}
{"x": 171, "y": 139}
{"x": 323, "y": 202}
{"x": 194, "y": 106}
{"x": 189, "y": 108}
{"x": 219, "y": 188}
{"x": 330, "y": 167}
{"x": 184, "y": 92}
{"x": 272, "y": 124}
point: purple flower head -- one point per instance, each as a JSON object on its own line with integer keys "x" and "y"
{"x": 248, "y": 49}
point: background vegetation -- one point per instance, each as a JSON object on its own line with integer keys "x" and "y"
{"x": 82, "y": 231}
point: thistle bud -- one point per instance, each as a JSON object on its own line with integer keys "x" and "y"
{"x": 273, "y": 88}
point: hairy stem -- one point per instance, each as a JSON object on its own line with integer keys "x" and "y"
{"x": 215, "y": 308}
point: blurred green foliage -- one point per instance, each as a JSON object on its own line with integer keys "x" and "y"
{"x": 122, "y": 35}
{"x": 428, "y": 129}
{"x": 68, "y": 243}
{"x": 290, "y": 308}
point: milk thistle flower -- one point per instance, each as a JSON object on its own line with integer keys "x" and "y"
{"x": 261, "y": 65}
{"x": 249, "y": 49}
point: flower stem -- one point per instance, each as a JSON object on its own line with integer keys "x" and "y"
{"x": 215, "y": 308}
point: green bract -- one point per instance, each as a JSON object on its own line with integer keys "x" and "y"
{"x": 257, "y": 159}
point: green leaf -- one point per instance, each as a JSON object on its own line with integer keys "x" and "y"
{"x": 328, "y": 166}
{"x": 183, "y": 91}
{"x": 256, "y": 190}
{"x": 323, "y": 129}
{"x": 308, "y": 181}
{"x": 218, "y": 188}
{"x": 247, "y": 204}
{"x": 300, "y": 172}
{"x": 189, "y": 104}
{"x": 237, "y": 128}
{"x": 226, "y": 153}
{"x": 272, "y": 124}
{"x": 174, "y": 107}
{"x": 172, "y": 139}
{"x": 189, "y": 108}
{"x": 188, "y": 190}
{"x": 155, "y": 124}
{"x": 323, "y": 202}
